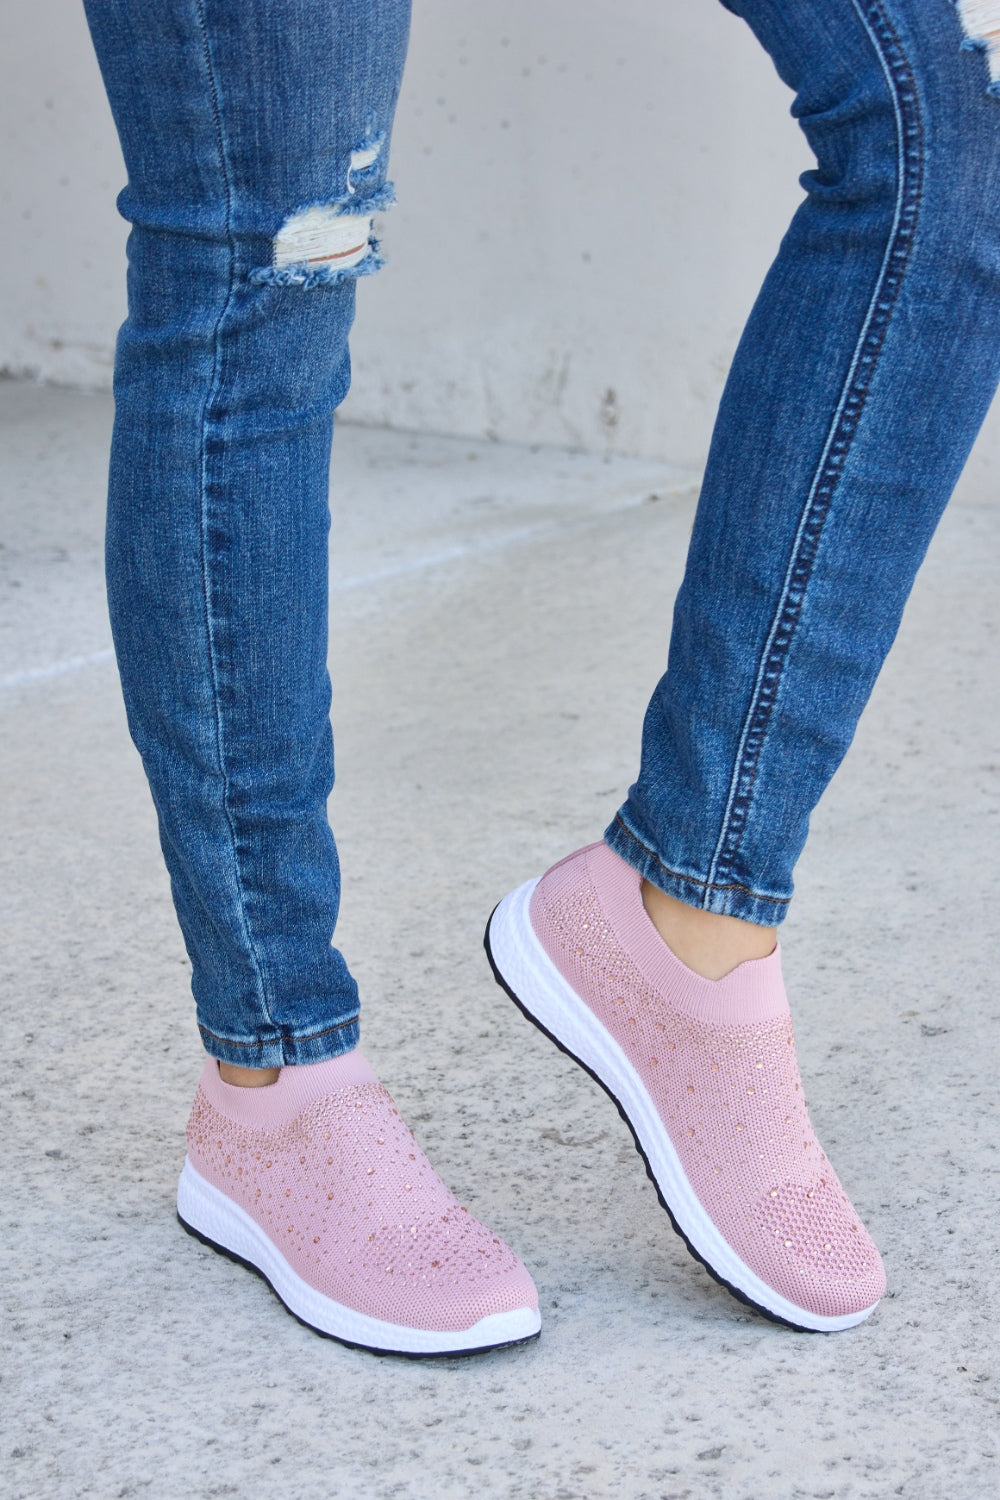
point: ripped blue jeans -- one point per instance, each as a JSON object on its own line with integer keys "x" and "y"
{"x": 256, "y": 140}
{"x": 861, "y": 380}
{"x": 255, "y": 137}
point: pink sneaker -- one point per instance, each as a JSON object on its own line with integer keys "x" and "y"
{"x": 704, "y": 1073}
{"x": 316, "y": 1183}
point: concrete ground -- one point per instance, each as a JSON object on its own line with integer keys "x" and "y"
{"x": 499, "y": 617}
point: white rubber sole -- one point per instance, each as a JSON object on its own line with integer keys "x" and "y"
{"x": 536, "y": 985}
{"x": 219, "y": 1222}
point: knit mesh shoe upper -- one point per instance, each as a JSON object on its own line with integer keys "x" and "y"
{"x": 339, "y": 1184}
{"x": 718, "y": 1061}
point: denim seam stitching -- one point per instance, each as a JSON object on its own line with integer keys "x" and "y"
{"x": 884, "y": 40}
{"x": 311, "y": 1036}
{"x": 701, "y": 885}
{"x": 207, "y": 411}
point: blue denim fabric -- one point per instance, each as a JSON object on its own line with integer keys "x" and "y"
{"x": 232, "y": 117}
{"x": 859, "y": 385}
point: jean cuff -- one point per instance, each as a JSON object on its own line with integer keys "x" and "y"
{"x": 285, "y": 1051}
{"x": 728, "y": 898}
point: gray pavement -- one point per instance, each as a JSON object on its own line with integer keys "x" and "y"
{"x": 499, "y": 617}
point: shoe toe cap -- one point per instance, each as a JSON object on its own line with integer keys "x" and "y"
{"x": 808, "y": 1243}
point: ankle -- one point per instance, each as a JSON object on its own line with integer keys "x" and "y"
{"x": 710, "y": 944}
{"x": 248, "y": 1078}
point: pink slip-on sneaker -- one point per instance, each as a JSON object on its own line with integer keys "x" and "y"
{"x": 315, "y": 1182}
{"x": 704, "y": 1073}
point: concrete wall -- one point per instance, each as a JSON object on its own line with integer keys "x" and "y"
{"x": 589, "y": 196}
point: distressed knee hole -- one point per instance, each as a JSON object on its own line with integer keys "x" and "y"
{"x": 322, "y": 243}
{"x": 323, "y": 235}
{"x": 981, "y": 24}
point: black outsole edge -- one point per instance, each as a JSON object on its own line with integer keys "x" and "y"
{"x": 734, "y": 1291}
{"x": 335, "y": 1337}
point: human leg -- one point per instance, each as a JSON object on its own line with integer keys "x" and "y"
{"x": 256, "y": 140}
{"x": 860, "y": 383}
{"x": 858, "y": 388}
{"x": 228, "y": 370}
